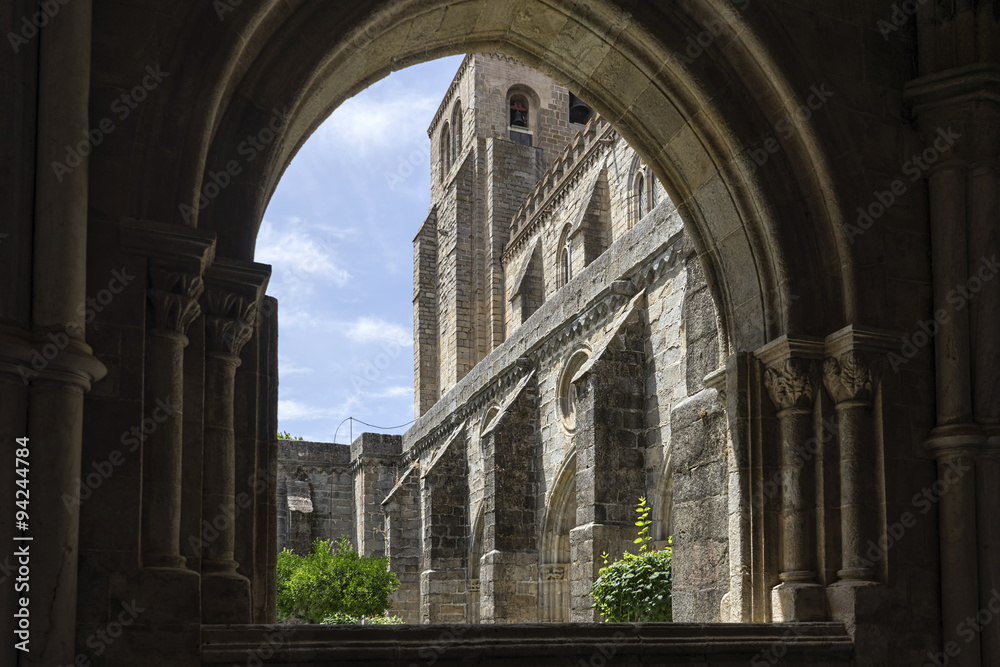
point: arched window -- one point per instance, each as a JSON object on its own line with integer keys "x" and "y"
{"x": 653, "y": 196}
{"x": 445, "y": 150}
{"x": 579, "y": 111}
{"x": 456, "y": 123}
{"x": 565, "y": 269}
{"x": 640, "y": 196}
{"x": 520, "y": 119}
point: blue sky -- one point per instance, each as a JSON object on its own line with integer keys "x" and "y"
{"x": 338, "y": 234}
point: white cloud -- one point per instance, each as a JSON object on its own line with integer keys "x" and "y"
{"x": 385, "y": 116}
{"x": 393, "y": 392}
{"x": 286, "y": 366}
{"x": 296, "y": 410}
{"x": 373, "y": 329}
{"x": 296, "y": 252}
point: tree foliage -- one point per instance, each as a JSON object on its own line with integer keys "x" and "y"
{"x": 333, "y": 582}
{"x": 636, "y": 588}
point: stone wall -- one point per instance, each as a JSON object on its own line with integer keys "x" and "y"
{"x": 315, "y": 494}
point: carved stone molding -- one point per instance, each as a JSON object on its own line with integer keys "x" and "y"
{"x": 233, "y": 292}
{"x": 173, "y": 297}
{"x": 849, "y": 377}
{"x": 791, "y": 383}
{"x": 791, "y": 373}
{"x": 229, "y": 321}
{"x": 553, "y": 572}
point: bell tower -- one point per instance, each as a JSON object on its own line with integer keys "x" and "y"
{"x": 499, "y": 127}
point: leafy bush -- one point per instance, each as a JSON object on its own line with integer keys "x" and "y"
{"x": 346, "y": 619}
{"x": 383, "y": 620}
{"x": 285, "y": 435}
{"x": 636, "y": 588}
{"x": 333, "y": 582}
{"x": 340, "y": 618}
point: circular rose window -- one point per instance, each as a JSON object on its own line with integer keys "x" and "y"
{"x": 567, "y": 394}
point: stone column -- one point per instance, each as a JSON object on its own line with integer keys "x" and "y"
{"x": 402, "y": 512}
{"x": 374, "y": 462}
{"x": 791, "y": 379}
{"x": 984, "y": 313}
{"x": 610, "y": 440}
{"x": 177, "y": 258}
{"x": 232, "y": 294}
{"x": 508, "y": 571}
{"x": 852, "y": 375}
{"x": 956, "y": 440}
{"x": 957, "y": 112}
{"x": 444, "y": 500}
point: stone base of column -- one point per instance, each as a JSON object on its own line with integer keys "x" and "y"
{"x": 509, "y": 587}
{"x": 863, "y": 608}
{"x": 225, "y": 598}
{"x": 586, "y": 544}
{"x": 159, "y": 617}
{"x": 443, "y": 597}
{"x": 798, "y": 603}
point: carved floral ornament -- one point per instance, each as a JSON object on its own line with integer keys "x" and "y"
{"x": 173, "y": 296}
{"x": 849, "y": 377}
{"x": 791, "y": 383}
{"x": 229, "y": 321}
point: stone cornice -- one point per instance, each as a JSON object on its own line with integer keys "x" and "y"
{"x": 973, "y": 83}
{"x": 169, "y": 247}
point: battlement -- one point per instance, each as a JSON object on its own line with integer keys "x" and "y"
{"x": 586, "y": 145}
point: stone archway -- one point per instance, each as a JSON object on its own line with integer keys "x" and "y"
{"x": 691, "y": 121}
{"x": 757, "y": 231}
{"x": 555, "y": 571}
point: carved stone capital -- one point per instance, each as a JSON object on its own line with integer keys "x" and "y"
{"x": 173, "y": 297}
{"x": 791, "y": 383}
{"x": 233, "y": 293}
{"x": 848, "y": 377}
{"x": 229, "y": 321}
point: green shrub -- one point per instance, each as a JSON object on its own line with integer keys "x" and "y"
{"x": 636, "y": 588}
{"x": 333, "y": 582}
{"x": 347, "y": 619}
{"x": 340, "y": 618}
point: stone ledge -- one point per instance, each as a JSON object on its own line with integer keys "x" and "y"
{"x": 551, "y": 644}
